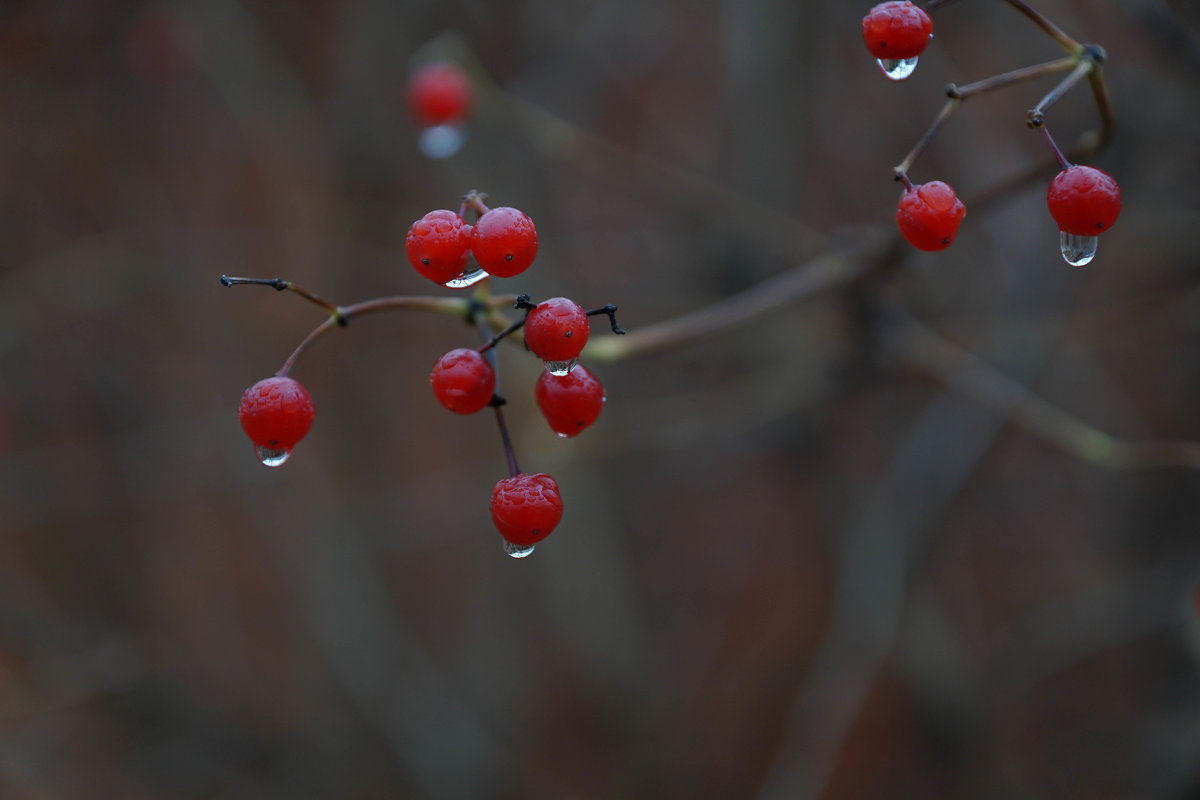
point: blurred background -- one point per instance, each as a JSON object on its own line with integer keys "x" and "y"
{"x": 820, "y": 554}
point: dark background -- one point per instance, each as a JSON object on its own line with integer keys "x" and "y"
{"x": 792, "y": 565}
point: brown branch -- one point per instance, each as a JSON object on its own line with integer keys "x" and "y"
{"x": 834, "y": 267}
{"x": 922, "y": 348}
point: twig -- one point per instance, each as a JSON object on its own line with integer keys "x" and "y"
{"x": 834, "y": 267}
{"x": 454, "y": 307}
{"x": 920, "y": 347}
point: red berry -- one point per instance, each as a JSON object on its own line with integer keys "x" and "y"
{"x": 896, "y": 30}
{"x": 438, "y": 245}
{"x": 929, "y": 215}
{"x": 557, "y": 329}
{"x": 440, "y": 94}
{"x": 569, "y": 402}
{"x": 1084, "y": 200}
{"x": 526, "y": 508}
{"x": 463, "y": 381}
{"x": 276, "y": 413}
{"x": 504, "y": 242}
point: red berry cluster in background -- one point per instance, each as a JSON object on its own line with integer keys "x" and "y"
{"x": 440, "y": 99}
{"x": 1084, "y": 201}
{"x": 277, "y": 412}
{"x": 440, "y": 93}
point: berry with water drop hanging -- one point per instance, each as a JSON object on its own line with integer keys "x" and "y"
{"x": 463, "y": 381}
{"x": 276, "y": 413}
{"x": 896, "y": 33}
{"x": 1084, "y": 200}
{"x": 557, "y": 329}
{"x": 571, "y": 402}
{"x": 526, "y": 508}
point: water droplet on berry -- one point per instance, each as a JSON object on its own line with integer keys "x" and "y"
{"x": 441, "y": 141}
{"x": 1077, "y": 250}
{"x": 560, "y": 368}
{"x": 466, "y": 279}
{"x": 517, "y": 550}
{"x": 897, "y": 68}
{"x": 271, "y": 456}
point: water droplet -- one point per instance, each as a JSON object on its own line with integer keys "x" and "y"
{"x": 560, "y": 368}
{"x": 561, "y": 435}
{"x": 270, "y": 456}
{"x": 466, "y": 279}
{"x": 441, "y": 141}
{"x": 897, "y": 68}
{"x": 517, "y": 550}
{"x": 1077, "y": 250}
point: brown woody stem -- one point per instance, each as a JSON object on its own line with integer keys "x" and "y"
{"x": 1055, "y": 32}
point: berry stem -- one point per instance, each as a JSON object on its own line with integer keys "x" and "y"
{"x": 522, "y": 302}
{"x": 1058, "y": 154}
{"x": 474, "y": 200}
{"x": 1038, "y": 113}
{"x": 497, "y": 401}
{"x": 611, "y": 311}
{"x": 1006, "y": 79}
{"x": 1055, "y": 32}
{"x": 279, "y": 284}
{"x": 513, "y": 469}
{"x": 901, "y": 169}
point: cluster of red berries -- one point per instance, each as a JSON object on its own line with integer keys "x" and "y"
{"x": 526, "y": 508}
{"x": 1084, "y": 201}
{"x": 503, "y": 242}
{"x": 556, "y": 330}
{"x": 277, "y": 412}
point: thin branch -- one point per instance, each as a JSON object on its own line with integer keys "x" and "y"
{"x": 1015, "y": 76}
{"x": 958, "y": 367}
{"x": 450, "y": 306}
{"x": 1055, "y": 32}
{"x": 834, "y": 267}
{"x": 1038, "y": 113}
{"x": 901, "y": 169}
{"x": 1103, "y": 101}
{"x": 280, "y": 284}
